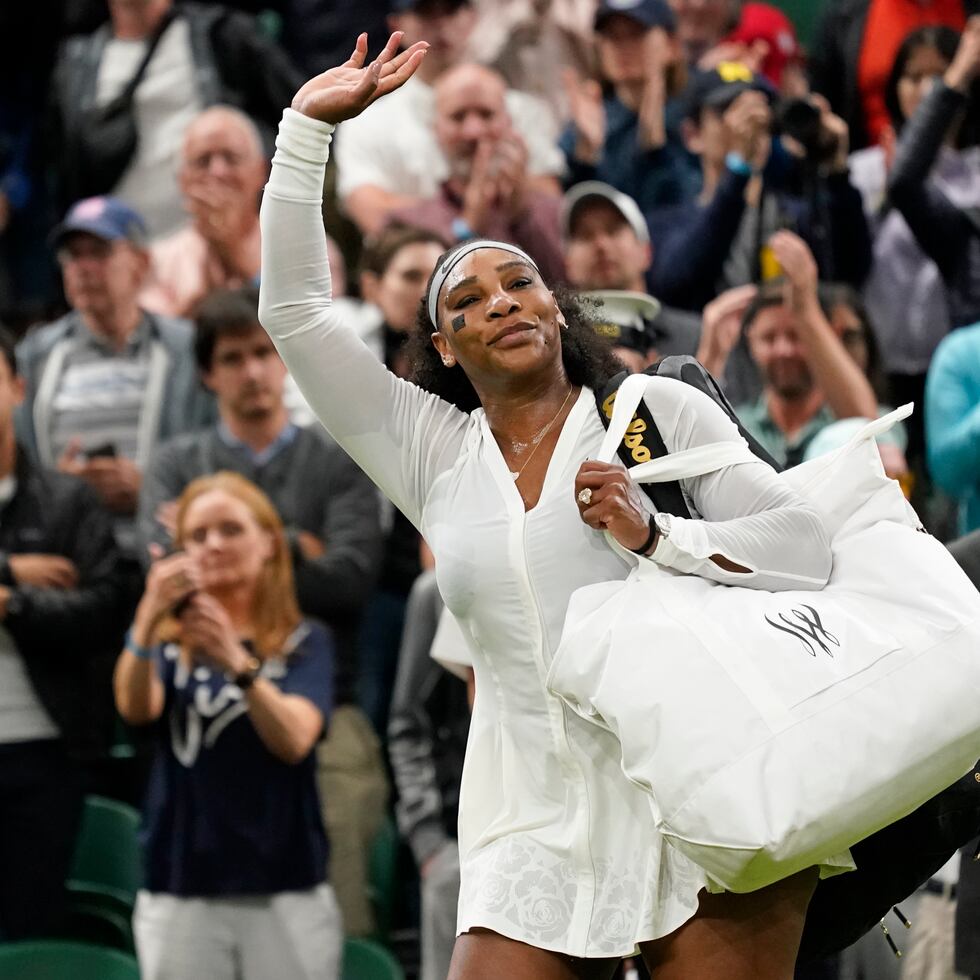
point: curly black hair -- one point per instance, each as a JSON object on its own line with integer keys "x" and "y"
{"x": 588, "y": 358}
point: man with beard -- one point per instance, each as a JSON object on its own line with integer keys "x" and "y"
{"x": 607, "y": 247}
{"x": 489, "y": 192}
{"x": 809, "y": 379}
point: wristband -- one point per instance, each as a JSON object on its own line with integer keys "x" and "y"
{"x": 141, "y": 653}
{"x": 462, "y": 231}
{"x": 737, "y": 164}
{"x": 645, "y": 547}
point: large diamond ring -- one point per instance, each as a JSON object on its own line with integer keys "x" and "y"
{"x": 585, "y": 496}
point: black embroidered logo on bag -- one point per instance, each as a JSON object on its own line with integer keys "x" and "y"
{"x": 808, "y": 628}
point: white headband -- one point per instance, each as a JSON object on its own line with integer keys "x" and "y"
{"x": 442, "y": 272}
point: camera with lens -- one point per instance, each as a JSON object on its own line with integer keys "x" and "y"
{"x": 799, "y": 119}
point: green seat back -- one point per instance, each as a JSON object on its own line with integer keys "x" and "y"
{"x": 107, "y": 857}
{"x": 804, "y": 15}
{"x": 51, "y": 959}
{"x": 99, "y": 921}
{"x": 366, "y": 960}
{"x": 382, "y": 866}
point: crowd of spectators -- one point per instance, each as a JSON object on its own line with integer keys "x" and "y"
{"x": 801, "y": 212}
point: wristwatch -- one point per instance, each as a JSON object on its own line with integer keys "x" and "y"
{"x": 663, "y": 522}
{"x": 246, "y": 678}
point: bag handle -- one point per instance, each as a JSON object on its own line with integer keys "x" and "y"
{"x": 700, "y": 460}
{"x": 696, "y": 461}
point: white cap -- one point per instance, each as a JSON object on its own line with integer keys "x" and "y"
{"x": 623, "y": 317}
{"x": 623, "y": 203}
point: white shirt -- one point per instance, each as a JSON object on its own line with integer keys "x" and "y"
{"x": 557, "y": 847}
{"x": 166, "y": 102}
{"x": 393, "y": 145}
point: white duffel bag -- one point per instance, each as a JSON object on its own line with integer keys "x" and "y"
{"x": 773, "y": 730}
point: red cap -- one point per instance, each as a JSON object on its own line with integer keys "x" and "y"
{"x": 760, "y": 22}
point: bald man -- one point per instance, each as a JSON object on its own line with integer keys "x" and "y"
{"x": 489, "y": 192}
{"x": 221, "y": 173}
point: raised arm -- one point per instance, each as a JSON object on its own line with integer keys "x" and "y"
{"x": 939, "y": 226}
{"x": 401, "y": 436}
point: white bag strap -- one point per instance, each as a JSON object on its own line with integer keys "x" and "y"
{"x": 692, "y": 462}
{"x": 674, "y": 466}
{"x": 877, "y": 426}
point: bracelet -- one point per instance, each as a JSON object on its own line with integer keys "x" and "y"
{"x": 141, "y": 653}
{"x": 645, "y": 547}
{"x": 462, "y": 230}
{"x": 737, "y": 164}
{"x": 249, "y": 675}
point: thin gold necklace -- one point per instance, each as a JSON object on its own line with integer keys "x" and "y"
{"x": 539, "y": 438}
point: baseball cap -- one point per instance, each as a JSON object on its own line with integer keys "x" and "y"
{"x": 718, "y": 87}
{"x": 624, "y": 318}
{"x": 105, "y": 217}
{"x": 761, "y": 22}
{"x": 649, "y": 13}
{"x": 591, "y": 189}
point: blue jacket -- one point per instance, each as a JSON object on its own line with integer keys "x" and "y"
{"x": 953, "y": 421}
{"x": 692, "y": 241}
{"x": 653, "y": 178}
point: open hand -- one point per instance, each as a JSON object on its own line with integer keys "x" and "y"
{"x": 749, "y": 121}
{"x": 170, "y": 581}
{"x": 588, "y": 115}
{"x": 966, "y": 61}
{"x": 207, "y": 629}
{"x": 344, "y": 92}
{"x": 800, "y": 267}
{"x": 721, "y": 326}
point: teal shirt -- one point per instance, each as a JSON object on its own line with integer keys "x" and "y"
{"x": 953, "y": 422}
{"x": 755, "y": 417}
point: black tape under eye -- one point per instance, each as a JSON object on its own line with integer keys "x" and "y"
{"x": 459, "y": 322}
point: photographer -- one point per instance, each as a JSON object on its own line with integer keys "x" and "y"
{"x": 235, "y": 848}
{"x": 753, "y": 186}
{"x": 947, "y": 233}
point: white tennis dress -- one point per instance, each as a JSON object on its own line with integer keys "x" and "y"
{"x": 557, "y": 847}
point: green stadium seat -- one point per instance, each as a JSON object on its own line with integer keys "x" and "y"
{"x": 382, "y": 867}
{"x": 108, "y": 861}
{"x": 366, "y": 960}
{"x": 804, "y": 15}
{"x": 51, "y": 959}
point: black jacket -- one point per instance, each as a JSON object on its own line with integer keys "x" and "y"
{"x": 945, "y": 232}
{"x": 234, "y": 64}
{"x": 835, "y": 56}
{"x": 69, "y": 638}
{"x": 427, "y": 730}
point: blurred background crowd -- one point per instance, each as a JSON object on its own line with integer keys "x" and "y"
{"x": 789, "y": 192}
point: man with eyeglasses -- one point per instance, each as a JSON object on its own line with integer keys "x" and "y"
{"x": 108, "y": 381}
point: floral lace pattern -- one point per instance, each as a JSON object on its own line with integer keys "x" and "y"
{"x": 519, "y": 888}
